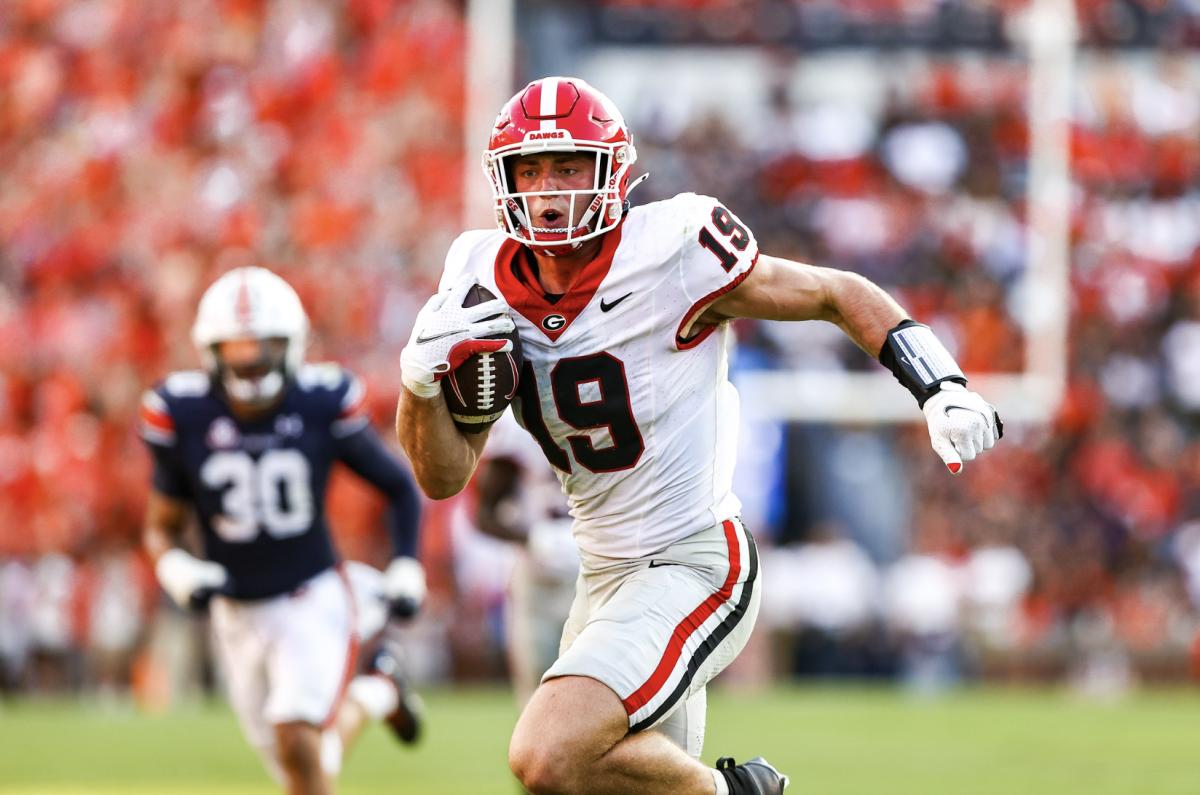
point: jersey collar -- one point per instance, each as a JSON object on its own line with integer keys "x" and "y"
{"x": 523, "y": 293}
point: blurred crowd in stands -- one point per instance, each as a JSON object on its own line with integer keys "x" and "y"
{"x": 937, "y": 24}
{"x": 1093, "y": 520}
{"x": 149, "y": 147}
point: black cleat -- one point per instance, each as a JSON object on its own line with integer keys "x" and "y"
{"x": 406, "y": 721}
{"x": 756, "y": 777}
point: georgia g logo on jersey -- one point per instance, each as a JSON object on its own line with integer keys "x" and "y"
{"x": 553, "y": 322}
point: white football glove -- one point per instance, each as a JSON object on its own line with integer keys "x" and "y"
{"x": 961, "y": 424}
{"x": 445, "y": 334}
{"x": 189, "y": 581}
{"x": 404, "y": 586}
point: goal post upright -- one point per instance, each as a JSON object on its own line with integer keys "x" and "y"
{"x": 491, "y": 47}
{"x": 1048, "y": 33}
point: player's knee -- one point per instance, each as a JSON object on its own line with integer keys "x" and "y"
{"x": 298, "y": 748}
{"x": 542, "y": 768}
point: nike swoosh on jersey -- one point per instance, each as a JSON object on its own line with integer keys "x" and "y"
{"x": 423, "y": 340}
{"x": 654, "y": 564}
{"x": 605, "y": 306}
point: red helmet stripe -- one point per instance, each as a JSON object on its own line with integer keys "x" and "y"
{"x": 243, "y": 308}
{"x": 548, "y": 103}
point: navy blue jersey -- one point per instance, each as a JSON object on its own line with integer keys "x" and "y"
{"x": 259, "y": 487}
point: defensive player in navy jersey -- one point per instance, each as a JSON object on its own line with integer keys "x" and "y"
{"x": 249, "y": 444}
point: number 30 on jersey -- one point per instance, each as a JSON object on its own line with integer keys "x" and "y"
{"x": 271, "y": 493}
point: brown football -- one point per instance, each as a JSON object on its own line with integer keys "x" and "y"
{"x": 480, "y": 389}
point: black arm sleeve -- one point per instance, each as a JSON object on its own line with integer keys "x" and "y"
{"x": 365, "y": 453}
{"x": 919, "y": 360}
{"x": 168, "y": 477}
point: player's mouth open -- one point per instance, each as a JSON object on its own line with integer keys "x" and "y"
{"x": 552, "y": 219}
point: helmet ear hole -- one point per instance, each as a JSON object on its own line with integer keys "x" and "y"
{"x": 507, "y": 169}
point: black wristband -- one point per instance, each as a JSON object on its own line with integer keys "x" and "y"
{"x": 919, "y": 360}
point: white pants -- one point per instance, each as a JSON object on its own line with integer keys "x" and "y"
{"x": 290, "y": 658}
{"x": 656, "y": 630}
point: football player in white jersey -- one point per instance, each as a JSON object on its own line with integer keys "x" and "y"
{"x": 249, "y": 446}
{"x": 623, "y": 319}
{"x": 520, "y": 500}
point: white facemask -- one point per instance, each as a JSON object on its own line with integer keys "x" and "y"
{"x": 253, "y": 391}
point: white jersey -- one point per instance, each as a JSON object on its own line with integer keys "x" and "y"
{"x": 632, "y": 407}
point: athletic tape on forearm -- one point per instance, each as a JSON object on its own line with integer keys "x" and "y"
{"x": 919, "y": 360}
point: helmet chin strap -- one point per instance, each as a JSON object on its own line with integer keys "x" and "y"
{"x": 635, "y": 183}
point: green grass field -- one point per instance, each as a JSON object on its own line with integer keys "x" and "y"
{"x": 828, "y": 740}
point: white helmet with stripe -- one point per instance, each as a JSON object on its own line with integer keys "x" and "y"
{"x": 251, "y": 303}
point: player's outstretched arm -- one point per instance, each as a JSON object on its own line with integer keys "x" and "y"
{"x": 779, "y": 289}
{"x": 961, "y": 423}
{"x": 404, "y": 580}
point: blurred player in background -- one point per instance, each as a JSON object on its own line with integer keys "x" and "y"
{"x": 520, "y": 500}
{"x": 249, "y": 444}
{"x": 622, "y": 315}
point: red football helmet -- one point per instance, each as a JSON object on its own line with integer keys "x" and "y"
{"x": 560, "y": 114}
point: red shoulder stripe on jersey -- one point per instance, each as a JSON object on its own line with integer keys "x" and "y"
{"x": 685, "y": 628}
{"x": 523, "y": 292}
{"x": 158, "y": 420}
{"x": 698, "y": 308}
{"x": 351, "y": 651}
